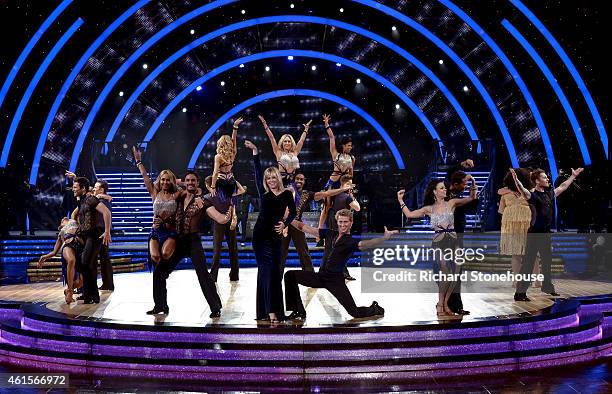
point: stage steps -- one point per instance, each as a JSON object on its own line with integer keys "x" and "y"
{"x": 569, "y": 332}
{"x": 52, "y": 269}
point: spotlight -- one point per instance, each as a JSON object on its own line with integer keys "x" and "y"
{"x": 145, "y": 66}
{"x": 267, "y": 68}
{"x": 192, "y": 32}
{"x": 341, "y": 9}
{"x": 393, "y": 28}
{"x": 199, "y": 88}
{"x": 466, "y": 89}
{"x": 184, "y": 109}
{"x": 313, "y": 68}
{"x": 243, "y": 12}
{"x": 358, "y": 80}
{"x": 222, "y": 83}
{"x": 397, "y": 106}
{"x": 289, "y": 57}
{"x": 441, "y": 61}
{"x": 121, "y": 93}
{"x": 291, "y": 5}
{"x": 338, "y": 64}
{"x": 241, "y": 65}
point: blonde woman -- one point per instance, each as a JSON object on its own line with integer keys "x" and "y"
{"x": 274, "y": 201}
{"x": 164, "y": 193}
{"x": 286, "y": 152}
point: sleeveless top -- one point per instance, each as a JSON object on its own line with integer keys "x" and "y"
{"x": 289, "y": 162}
{"x": 164, "y": 209}
{"x": 442, "y": 222}
{"x": 342, "y": 164}
{"x": 68, "y": 232}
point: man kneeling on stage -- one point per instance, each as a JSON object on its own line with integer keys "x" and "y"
{"x": 331, "y": 273}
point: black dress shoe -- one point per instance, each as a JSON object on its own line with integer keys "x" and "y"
{"x": 106, "y": 288}
{"x": 215, "y": 314}
{"x": 348, "y": 277}
{"x": 552, "y": 293}
{"x": 296, "y": 315}
{"x": 521, "y": 297}
{"x": 463, "y": 312}
{"x": 159, "y": 311}
{"x": 91, "y": 301}
{"x": 379, "y": 310}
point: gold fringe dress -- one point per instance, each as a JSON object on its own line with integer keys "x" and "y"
{"x": 516, "y": 218}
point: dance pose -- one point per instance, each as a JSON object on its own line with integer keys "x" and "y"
{"x": 100, "y": 190}
{"x": 538, "y": 240}
{"x": 516, "y": 219}
{"x": 71, "y": 248}
{"x": 287, "y": 152}
{"x": 164, "y": 193}
{"x": 274, "y": 200}
{"x": 93, "y": 238}
{"x": 330, "y": 275}
{"x": 344, "y": 163}
{"x": 191, "y": 210}
{"x": 441, "y": 213}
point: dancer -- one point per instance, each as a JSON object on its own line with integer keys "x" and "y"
{"x": 191, "y": 210}
{"x": 458, "y": 182}
{"x": 298, "y": 237}
{"x": 100, "y": 190}
{"x": 71, "y": 247}
{"x": 89, "y": 232}
{"x": 287, "y": 152}
{"x": 344, "y": 163}
{"x": 441, "y": 213}
{"x": 330, "y": 275}
{"x": 538, "y": 239}
{"x": 274, "y": 200}
{"x": 164, "y": 193}
{"x": 516, "y": 219}
{"x": 228, "y": 232}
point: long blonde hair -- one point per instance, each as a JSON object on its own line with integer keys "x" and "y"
{"x": 157, "y": 183}
{"x": 283, "y": 138}
{"x": 275, "y": 173}
{"x": 226, "y": 148}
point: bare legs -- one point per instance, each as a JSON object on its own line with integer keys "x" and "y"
{"x": 167, "y": 250}
{"x": 70, "y": 257}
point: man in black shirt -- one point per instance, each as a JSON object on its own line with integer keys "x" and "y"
{"x": 106, "y": 268}
{"x": 92, "y": 235}
{"x": 538, "y": 239}
{"x": 190, "y": 211}
{"x": 330, "y": 275}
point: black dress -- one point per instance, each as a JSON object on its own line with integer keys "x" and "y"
{"x": 267, "y": 245}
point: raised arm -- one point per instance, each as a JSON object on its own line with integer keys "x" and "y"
{"x": 303, "y": 227}
{"x": 563, "y": 187}
{"x": 143, "y": 171}
{"x": 270, "y": 136}
{"x": 372, "y": 243}
{"x": 235, "y": 131}
{"x": 300, "y": 143}
{"x": 457, "y": 202}
{"x": 417, "y": 213}
{"x": 519, "y": 186}
{"x": 332, "y": 139}
{"x": 257, "y": 167}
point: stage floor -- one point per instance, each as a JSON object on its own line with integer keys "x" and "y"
{"x": 133, "y": 296}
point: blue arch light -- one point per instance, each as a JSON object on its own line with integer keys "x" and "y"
{"x": 296, "y": 92}
{"x": 555, "y": 85}
{"x": 73, "y": 74}
{"x": 128, "y": 63}
{"x": 32, "y": 85}
{"x": 280, "y": 19}
{"x": 29, "y": 46}
{"x": 603, "y": 135}
{"x": 517, "y": 78}
{"x": 258, "y": 56}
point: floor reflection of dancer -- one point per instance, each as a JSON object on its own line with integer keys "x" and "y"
{"x": 90, "y": 233}
{"x": 442, "y": 220}
{"x": 330, "y": 275}
{"x": 274, "y": 201}
{"x": 164, "y": 193}
{"x": 538, "y": 240}
{"x": 71, "y": 247}
{"x": 516, "y": 219}
{"x": 191, "y": 210}
{"x": 344, "y": 163}
{"x": 287, "y": 152}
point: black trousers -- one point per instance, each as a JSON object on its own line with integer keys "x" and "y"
{"x": 106, "y": 268}
{"x": 301, "y": 246}
{"x": 89, "y": 267}
{"x": 455, "y": 303}
{"x": 223, "y": 231}
{"x": 537, "y": 242}
{"x": 333, "y": 282}
{"x": 186, "y": 246}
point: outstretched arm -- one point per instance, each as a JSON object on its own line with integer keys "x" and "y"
{"x": 143, "y": 172}
{"x": 417, "y": 213}
{"x": 563, "y": 187}
{"x": 318, "y": 196}
{"x": 372, "y": 243}
{"x": 270, "y": 136}
{"x": 45, "y": 257}
{"x": 526, "y": 194}
{"x": 300, "y": 143}
{"x": 332, "y": 139}
{"x": 257, "y": 167}
{"x": 305, "y": 228}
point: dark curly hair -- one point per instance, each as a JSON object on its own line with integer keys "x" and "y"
{"x": 429, "y": 198}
